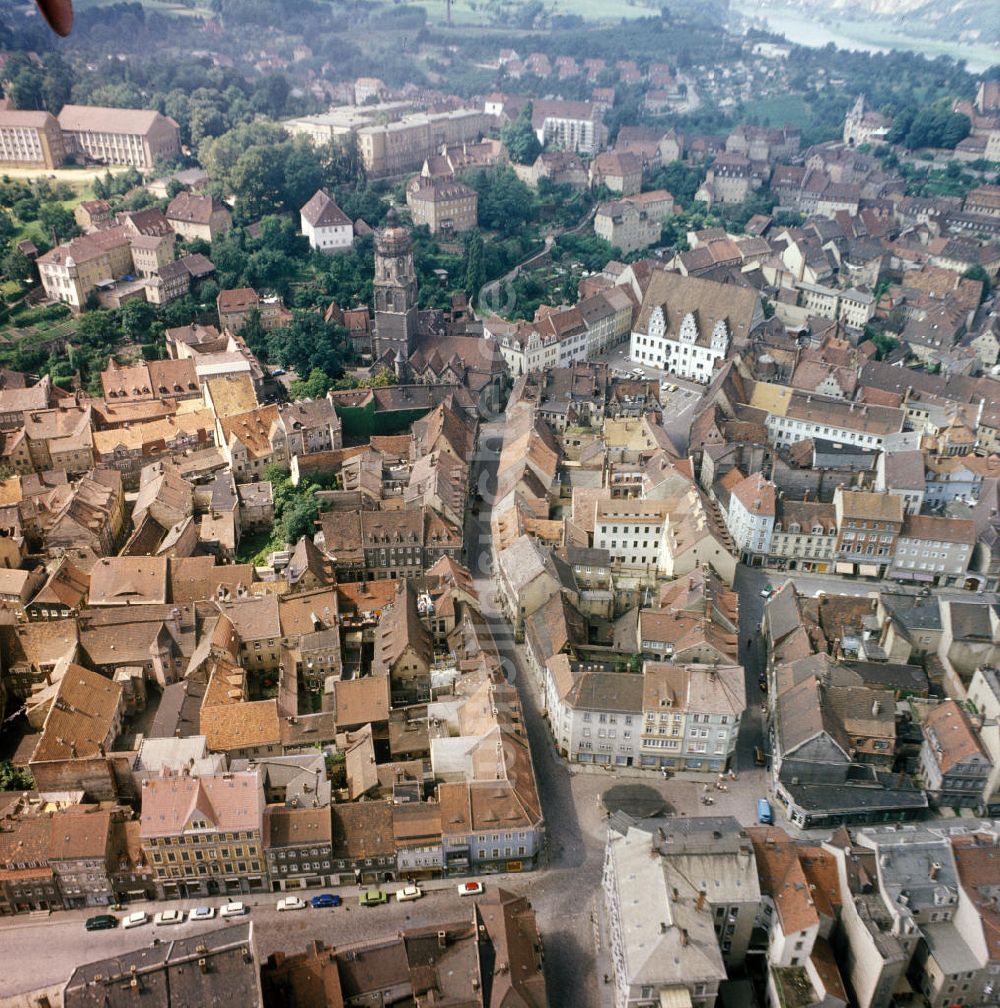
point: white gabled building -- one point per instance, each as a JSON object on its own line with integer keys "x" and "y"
{"x": 688, "y": 354}
{"x": 326, "y": 226}
{"x": 687, "y": 324}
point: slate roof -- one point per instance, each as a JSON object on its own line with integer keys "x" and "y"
{"x": 322, "y": 211}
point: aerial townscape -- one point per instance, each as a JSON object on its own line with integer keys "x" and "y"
{"x": 500, "y": 504}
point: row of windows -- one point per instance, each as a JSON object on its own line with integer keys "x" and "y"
{"x": 202, "y": 869}
{"x": 190, "y": 838}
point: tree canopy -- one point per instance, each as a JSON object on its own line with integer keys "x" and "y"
{"x": 520, "y": 139}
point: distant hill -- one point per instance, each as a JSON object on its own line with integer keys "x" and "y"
{"x": 970, "y": 20}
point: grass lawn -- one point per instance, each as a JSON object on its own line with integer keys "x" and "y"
{"x": 251, "y": 545}
{"x": 780, "y": 110}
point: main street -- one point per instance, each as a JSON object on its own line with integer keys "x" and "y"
{"x": 39, "y": 951}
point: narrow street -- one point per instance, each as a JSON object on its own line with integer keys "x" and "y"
{"x": 566, "y": 892}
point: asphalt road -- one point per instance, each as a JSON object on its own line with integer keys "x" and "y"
{"x": 36, "y": 952}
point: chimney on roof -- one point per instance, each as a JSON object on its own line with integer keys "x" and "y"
{"x": 700, "y": 901}
{"x": 935, "y": 869}
{"x": 684, "y": 936}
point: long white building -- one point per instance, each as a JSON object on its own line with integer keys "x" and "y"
{"x": 687, "y": 325}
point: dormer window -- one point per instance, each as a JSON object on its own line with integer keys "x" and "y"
{"x": 689, "y": 329}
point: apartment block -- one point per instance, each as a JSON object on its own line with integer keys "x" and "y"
{"x": 114, "y": 136}
{"x": 30, "y": 140}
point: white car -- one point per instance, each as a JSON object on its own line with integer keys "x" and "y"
{"x": 169, "y": 917}
{"x": 470, "y": 889}
{"x": 291, "y": 903}
{"x": 202, "y": 914}
{"x": 234, "y": 910}
{"x": 410, "y": 892}
{"x": 136, "y": 919}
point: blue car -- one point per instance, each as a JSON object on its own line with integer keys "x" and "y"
{"x": 325, "y": 900}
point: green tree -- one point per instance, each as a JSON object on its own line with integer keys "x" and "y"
{"x": 136, "y": 318}
{"x": 505, "y": 202}
{"x": 314, "y": 387}
{"x": 271, "y": 95}
{"x": 520, "y": 139}
{"x": 678, "y": 179}
{"x": 475, "y": 272}
{"x": 219, "y": 155}
{"x": 381, "y": 379}
{"x": 256, "y": 182}
{"x": 26, "y": 209}
{"x": 206, "y": 122}
{"x": 303, "y": 173}
{"x": 24, "y": 89}
{"x": 56, "y": 218}
{"x": 57, "y": 85}
{"x": 14, "y": 778}
{"x": 17, "y": 266}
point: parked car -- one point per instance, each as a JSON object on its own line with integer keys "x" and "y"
{"x": 326, "y": 900}
{"x": 767, "y": 592}
{"x": 410, "y": 892}
{"x": 471, "y": 889}
{"x": 169, "y": 917}
{"x": 102, "y": 922}
{"x": 136, "y": 919}
{"x": 234, "y": 910}
{"x": 373, "y": 897}
{"x": 202, "y": 914}
{"x": 765, "y": 814}
{"x": 291, "y": 903}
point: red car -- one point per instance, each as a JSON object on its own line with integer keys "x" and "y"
{"x": 470, "y": 889}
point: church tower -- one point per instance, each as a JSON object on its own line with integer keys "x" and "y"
{"x": 395, "y": 290}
